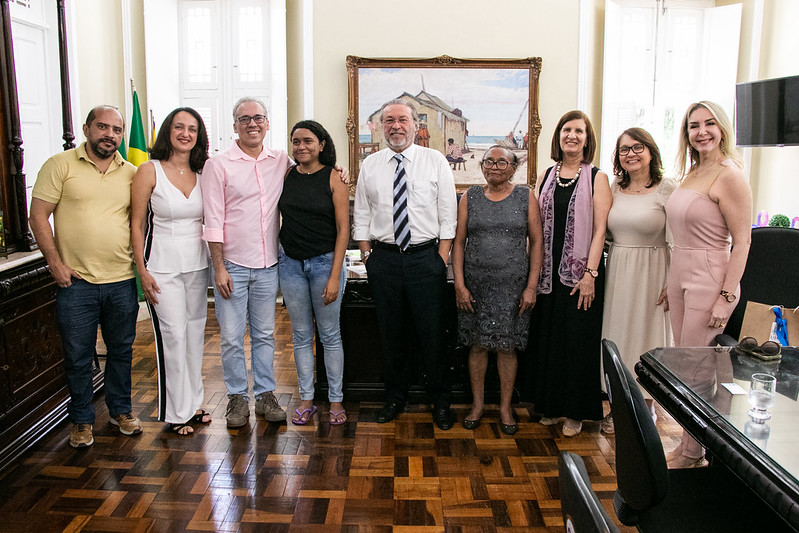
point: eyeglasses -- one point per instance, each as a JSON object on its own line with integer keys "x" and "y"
{"x": 636, "y": 148}
{"x": 244, "y": 120}
{"x": 488, "y": 163}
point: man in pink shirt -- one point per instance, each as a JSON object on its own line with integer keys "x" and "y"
{"x": 241, "y": 187}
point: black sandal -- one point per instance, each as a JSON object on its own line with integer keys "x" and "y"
{"x": 198, "y": 418}
{"x": 177, "y": 428}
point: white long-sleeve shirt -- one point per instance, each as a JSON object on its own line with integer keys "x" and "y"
{"x": 432, "y": 203}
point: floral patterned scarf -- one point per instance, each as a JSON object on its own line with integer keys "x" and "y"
{"x": 579, "y": 230}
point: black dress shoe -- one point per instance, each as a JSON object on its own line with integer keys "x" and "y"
{"x": 444, "y": 418}
{"x": 508, "y": 429}
{"x": 471, "y": 424}
{"x": 390, "y": 411}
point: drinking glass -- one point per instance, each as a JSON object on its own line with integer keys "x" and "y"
{"x": 762, "y": 393}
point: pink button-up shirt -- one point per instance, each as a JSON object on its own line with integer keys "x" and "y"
{"x": 240, "y": 197}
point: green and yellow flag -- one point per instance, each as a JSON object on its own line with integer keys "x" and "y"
{"x": 137, "y": 148}
{"x": 152, "y": 129}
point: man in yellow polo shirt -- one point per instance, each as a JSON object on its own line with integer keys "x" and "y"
{"x": 87, "y": 190}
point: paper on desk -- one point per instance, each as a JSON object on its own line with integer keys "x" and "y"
{"x": 358, "y": 269}
{"x": 734, "y": 388}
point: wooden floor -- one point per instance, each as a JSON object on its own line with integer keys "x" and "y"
{"x": 402, "y": 476}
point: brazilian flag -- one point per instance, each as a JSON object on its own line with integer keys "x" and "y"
{"x": 137, "y": 153}
{"x": 137, "y": 147}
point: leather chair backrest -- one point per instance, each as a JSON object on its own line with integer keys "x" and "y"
{"x": 771, "y": 275}
{"x": 641, "y": 471}
{"x": 582, "y": 511}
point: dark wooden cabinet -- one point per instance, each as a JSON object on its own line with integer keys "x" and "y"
{"x": 363, "y": 360}
{"x": 33, "y": 390}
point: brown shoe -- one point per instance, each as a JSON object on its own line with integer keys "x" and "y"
{"x": 266, "y": 406}
{"x": 81, "y": 436}
{"x": 128, "y": 424}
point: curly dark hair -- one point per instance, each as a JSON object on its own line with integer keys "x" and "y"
{"x": 655, "y": 164}
{"x": 162, "y": 148}
{"x": 328, "y": 154}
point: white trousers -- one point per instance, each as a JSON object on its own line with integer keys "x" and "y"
{"x": 179, "y": 326}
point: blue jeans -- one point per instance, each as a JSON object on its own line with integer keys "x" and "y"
{"x": 80, "y": 308}
{"x": 251, "y": 301}
{"x": 302, "y": 284}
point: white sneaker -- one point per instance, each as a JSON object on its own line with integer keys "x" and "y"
{"x": 572, "y": 428}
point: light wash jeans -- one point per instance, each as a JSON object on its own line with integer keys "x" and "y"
{"x": 252, "y": 301}
{"x": 302, "y": 284}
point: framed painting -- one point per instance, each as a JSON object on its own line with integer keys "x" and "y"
{"x": 464, "y": 105}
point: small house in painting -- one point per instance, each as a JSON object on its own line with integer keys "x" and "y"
{"x": 442, "y": 121}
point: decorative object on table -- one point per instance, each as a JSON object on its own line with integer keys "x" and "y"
{"x": 762, "y": 219}
{"x": 779, "y": 221}
{"x": 761, "y": 322}
{"x": 769, "y": 351}
{"x": 762, "y": 396}
{"x": 795, "y": 223}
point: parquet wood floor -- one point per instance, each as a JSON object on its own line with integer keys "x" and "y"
{"x": 405, "y": 476}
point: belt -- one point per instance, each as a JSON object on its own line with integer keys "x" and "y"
{"x": 412, "y": 249}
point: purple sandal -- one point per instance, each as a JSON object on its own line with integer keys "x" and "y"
{"x": 334, "y": 421}
{"x": 301, "y": 421}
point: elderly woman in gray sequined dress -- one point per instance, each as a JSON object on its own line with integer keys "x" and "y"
{"x": 496, "y": 258}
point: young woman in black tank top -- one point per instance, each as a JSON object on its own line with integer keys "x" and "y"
{"x": 314, "y": 234}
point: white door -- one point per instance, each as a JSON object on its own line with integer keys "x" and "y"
{"x": 38, "y": 88}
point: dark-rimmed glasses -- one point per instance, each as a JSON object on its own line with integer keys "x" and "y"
{"x": 488, "y": 163}
{"x": 245, "y": 119}
{"x": 636, "y": 148}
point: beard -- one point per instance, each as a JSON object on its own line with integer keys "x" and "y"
{"x": 99, "y": 150}
{"x": 399, "y": 146}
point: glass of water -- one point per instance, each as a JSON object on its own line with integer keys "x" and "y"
{"x": 762, "y": 395}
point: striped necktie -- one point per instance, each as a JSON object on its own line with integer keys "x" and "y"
{"x": 402, "y": 227}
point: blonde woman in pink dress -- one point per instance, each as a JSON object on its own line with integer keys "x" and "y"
{"x": 709, "y": 215}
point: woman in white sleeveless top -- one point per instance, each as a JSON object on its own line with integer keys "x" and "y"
{"x": 172, "y": 262}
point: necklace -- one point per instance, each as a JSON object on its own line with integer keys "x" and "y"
{"x": 567, "y": 183}
{"x": 636, "y": 191}
{"x": 311, "y": 172}
{"x": 176, "y": 167}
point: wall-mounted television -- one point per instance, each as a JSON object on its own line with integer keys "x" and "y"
{"x": 767, "y": 112}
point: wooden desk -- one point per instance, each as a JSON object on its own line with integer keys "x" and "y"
{"x": 687, "y": 383}
{"x": 363, "y": 360}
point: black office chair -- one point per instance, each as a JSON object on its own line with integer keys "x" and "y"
{"x": 770, "y": 277}
{"x": 582, "y": 512}
{"x": 653, "y": 498}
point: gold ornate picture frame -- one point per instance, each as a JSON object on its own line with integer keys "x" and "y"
{"x": 471, "y": 103}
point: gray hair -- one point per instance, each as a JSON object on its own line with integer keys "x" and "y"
{"x": 244, "y": 99}
{"x": 400, "y": 101}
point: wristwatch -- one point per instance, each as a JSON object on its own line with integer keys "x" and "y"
{"x": 730, "y": 297}
{"x": 593, "y": 273}
{"x": 365, "y": 255}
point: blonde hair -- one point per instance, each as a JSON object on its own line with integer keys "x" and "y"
{"x": 688, "y": 156}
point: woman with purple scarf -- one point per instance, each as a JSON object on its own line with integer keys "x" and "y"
{"x": 566, "y": 323}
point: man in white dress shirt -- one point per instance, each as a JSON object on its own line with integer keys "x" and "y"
{"x": 404, "y": 221}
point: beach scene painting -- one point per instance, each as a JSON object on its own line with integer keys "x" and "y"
{"x": 464, "y": 107}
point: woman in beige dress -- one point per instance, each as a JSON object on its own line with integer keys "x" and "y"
{"x": 636, "y": 308}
